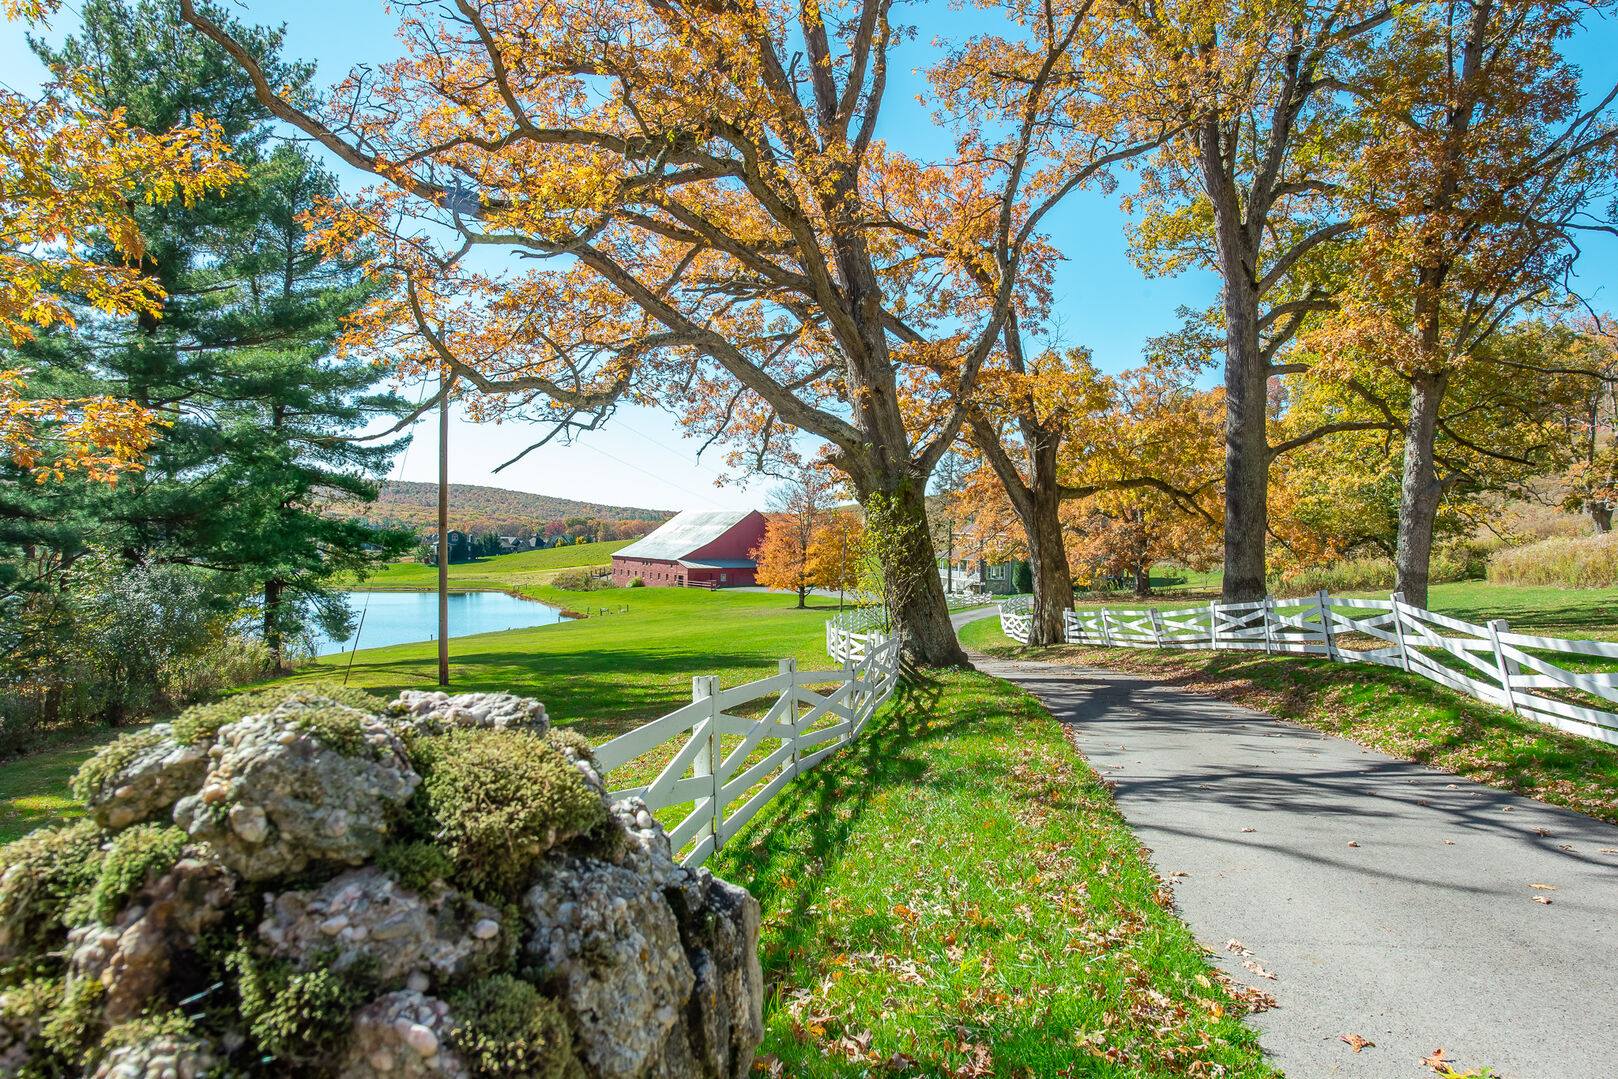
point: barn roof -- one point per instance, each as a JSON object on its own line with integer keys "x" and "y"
{"x": 684, "y": 533}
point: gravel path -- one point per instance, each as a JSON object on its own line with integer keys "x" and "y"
{"x": 1410, "y": 907}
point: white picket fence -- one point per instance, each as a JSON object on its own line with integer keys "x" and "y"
{"x": 1490, "y": 662}
{"x": 723, "y": 757}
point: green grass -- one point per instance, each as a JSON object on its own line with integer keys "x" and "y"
{"x": 955, "y": 894}
{"x": 1386, "y": 709}
{"x": 33, "y": 789}
{"x": 517, "y": 570}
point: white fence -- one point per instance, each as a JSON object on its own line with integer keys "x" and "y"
{"x": 722, "y": 757}
{"x": 1516, "y": 671}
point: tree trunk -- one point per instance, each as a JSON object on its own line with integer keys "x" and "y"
{"x": 1047, "y": 557}
{"x": 896, "y": 519}
{"x": 1246, "y": 446}
{"x": 1600, "y": 516}
{"x": 1420, "y": 490}
{"x": 272, "y": 621}
{"x": 1143, "y": 581}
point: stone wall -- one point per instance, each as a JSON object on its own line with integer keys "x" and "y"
{"x": 310, "y": 882}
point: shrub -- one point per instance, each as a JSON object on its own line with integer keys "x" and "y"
{"x": 1559, "y": 562}
{"x": 41, "y": 877}
{"x": 137, "y": 855}
{"x": 504, "y": 1027}
{"x": 574, "y": 580}
{"x": 636, "y": 582}
{"x": 1455, "y": 562}
{"x": 497, "y": 800}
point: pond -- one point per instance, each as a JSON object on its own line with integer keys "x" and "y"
{"x": 403, "y": 617}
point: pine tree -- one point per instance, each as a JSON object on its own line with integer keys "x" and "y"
{"x": 240, "y": 358}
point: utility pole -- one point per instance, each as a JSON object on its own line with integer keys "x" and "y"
{"x": 443, "y": 530}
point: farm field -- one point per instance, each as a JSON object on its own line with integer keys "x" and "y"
{"x": 514, "y": 571}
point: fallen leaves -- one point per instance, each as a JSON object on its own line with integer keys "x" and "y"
{"x": 1357, "y": 1042}
{"x": 1352, "y": 843}
{"x": 1545, "y": 899}
{"x": 1543, "y": 887}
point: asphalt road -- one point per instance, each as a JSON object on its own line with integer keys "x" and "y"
{"x": 1389, "y": 901}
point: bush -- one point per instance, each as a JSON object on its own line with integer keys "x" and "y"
{"x": 1559, "y": 562}
{"x": 574, "y": 580}
{"x": 504, "y": 1027}
{"x": 636, "y": 582}
{"x": 497, "y": 800}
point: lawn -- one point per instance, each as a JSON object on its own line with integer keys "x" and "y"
{"x": 514, "y": 571}
{"x": 956, "y": 895}
{"x": 604, "y": 674}
{"x": 1385, "y": 709}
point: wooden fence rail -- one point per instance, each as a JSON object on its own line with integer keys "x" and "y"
{"x": 1527, "y": 674}
{"x": 722, "y": 757}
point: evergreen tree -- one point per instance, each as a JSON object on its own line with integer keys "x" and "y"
{"x": 241, "y": 359}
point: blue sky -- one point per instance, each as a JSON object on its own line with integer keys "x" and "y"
{"x": 640, "y": 458}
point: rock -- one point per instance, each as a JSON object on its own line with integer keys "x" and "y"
{"x": 719, "y": 925}
{"x": 132, "y": 957}
{"x": 420, "y": 711}
{"x": 147, "y": 785}
{"x": 609, "y": 947}
{"x": 167, "y": 1056}
{"x": 403, "y": 1035}
{"x": 727, "y": 1002}
{"x": 272, "y": 805}
{"x": 369, "y": 918}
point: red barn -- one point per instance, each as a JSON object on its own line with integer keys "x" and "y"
{"x": 695, "y": 550}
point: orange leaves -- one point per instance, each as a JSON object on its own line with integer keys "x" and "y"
{"x": 99, "y": 436}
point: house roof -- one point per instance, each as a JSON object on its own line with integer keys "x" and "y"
{"x": 684, "y": 533}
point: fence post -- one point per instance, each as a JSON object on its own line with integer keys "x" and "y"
{"x": 1106, "y": 629}
{"x": 1269, "y": 632}
{"x": 1323, "y": 601}
{"x": 1398, "y": 599}
{"x": 1505, "y": 666}
{"x": 1213, "y": 623}
{"x": 706, "y": 687}
{"x": 1157, "y": 626}
{"x": 789, "y": 667}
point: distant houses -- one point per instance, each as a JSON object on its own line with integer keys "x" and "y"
{"x": 694, "y": 550}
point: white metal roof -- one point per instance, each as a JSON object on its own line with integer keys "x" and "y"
{"x": 684, "y": 533}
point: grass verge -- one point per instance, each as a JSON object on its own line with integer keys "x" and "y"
{"x": 1401, "y": 714}
{"x": 956, "y": 895}
{"x": 504, "y": 572}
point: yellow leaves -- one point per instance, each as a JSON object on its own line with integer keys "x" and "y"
{"x": 50, "y": 437}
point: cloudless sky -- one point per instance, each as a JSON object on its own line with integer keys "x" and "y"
{"x": 641, "y": 458}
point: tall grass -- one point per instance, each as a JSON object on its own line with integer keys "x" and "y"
{"x": 1458, "y": 562}
{"x": 1559, "y": 562}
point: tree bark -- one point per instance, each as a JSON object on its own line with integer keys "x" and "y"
{"x": 1246, "y": 445}
{"x": 896, "y": 512}
{"x": 272, "y": 621}
{"x": 1047, "y": 557}
{"x": 1600, "y": 516}
{"x": 1143, "y": 581}
{"x": 1420, "y": 490}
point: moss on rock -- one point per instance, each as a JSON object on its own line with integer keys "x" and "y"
{"x": 135, "y": 857}
{"x": 200, "y": 723}
{"x": 41, "y": 877}
{"x": 294, "y": 1015}
{"x": 503, "y": 1026}
{"x": 116, "y": 756}
{"x": 498, "y": 800}
{"x": 416, "y": 864}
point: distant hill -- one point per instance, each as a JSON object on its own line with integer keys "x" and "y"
{"x": 477, "y": 509}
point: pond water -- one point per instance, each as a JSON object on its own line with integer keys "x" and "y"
{"x": 402, "y": 617}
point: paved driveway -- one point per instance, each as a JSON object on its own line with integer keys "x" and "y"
{"x": 1410, "y": 907}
